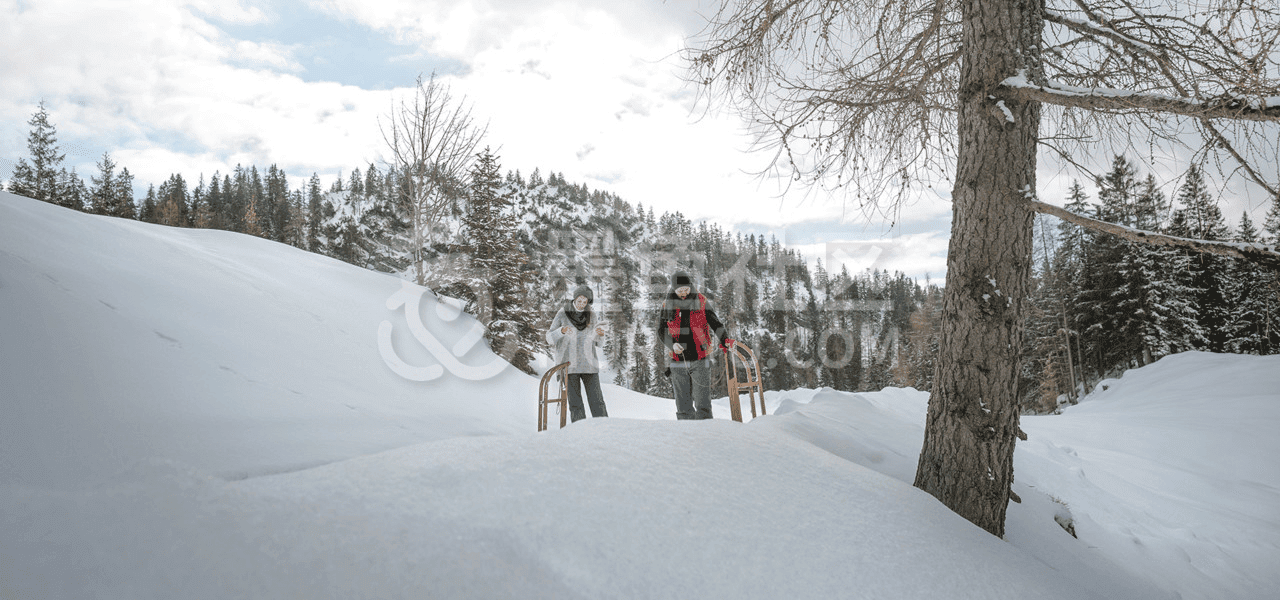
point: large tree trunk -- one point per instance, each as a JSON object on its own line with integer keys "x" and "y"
{"x": 967, "y": 459}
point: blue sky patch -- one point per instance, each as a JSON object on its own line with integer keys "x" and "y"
{"x": 331, "y": 48}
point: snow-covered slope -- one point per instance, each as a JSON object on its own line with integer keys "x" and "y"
{"x": 1172, "y": 472}
{"x": 232, "y": 354}
{"x": 199, "y": 414}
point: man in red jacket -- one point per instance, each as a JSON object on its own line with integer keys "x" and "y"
{"x": 688, "y": 326}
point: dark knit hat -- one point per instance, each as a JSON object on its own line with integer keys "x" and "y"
{"x": 681, "y": 279}
{"x": 583, "y": 290}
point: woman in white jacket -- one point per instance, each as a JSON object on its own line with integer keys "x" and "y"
{"x": 574, "y": 336}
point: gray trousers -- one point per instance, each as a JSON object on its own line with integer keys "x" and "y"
{"x": 595, "y": 398}
{"x": 692, "y": 382}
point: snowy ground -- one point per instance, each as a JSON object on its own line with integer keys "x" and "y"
{"x": 199, "y": 414}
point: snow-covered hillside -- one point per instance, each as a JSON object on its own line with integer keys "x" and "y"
{"x": 200, "y": 414}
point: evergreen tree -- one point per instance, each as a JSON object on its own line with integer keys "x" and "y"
{"x": 252, "y": 222}
{"x": 147, "y": 213}
{"x": 641, "y": 374}
{"x": 255, "y": 198}
{"x": 124, "y": 206}
{"x": 1271, "y": 281}
{"x": 1251, "y": 293}
{"x": 201, "y": 209}
{"x": 1200, "y": 218}
{"x": 1156, "y": 308}
{"x": 102, "y": 198}
{"x": 315, "y": 214}
{"x": 71, "y": 190}
{"x": 277, "y": 207}
{"x": 223, "y": 200}
{"x": 173, "y": 200}
{"x": 1271, "y": 227}
{"x": 39, "y": 179}
{"x": 496, "y": 260}
{"x": 296, "y": 228}
{"x": 1068, "y": 277}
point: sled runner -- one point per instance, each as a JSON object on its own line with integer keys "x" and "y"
{"x": 752, "y": 384}
{"x": 562, "y": 398}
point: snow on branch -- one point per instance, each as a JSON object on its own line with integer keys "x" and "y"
{"x": 1266, "y": 256}
{"x": 1019, "y": 87}
{"x": 1091, "y": 28}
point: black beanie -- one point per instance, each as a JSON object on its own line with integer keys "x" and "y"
{"x": 681, "y": 279}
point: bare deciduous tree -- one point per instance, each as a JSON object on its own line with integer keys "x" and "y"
{"x": 433, "y": 140}
{"x": 889, "y": 97}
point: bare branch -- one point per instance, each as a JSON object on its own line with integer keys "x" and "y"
{"x": 1262, "y": 255}
{"x": 1052, "y": 92}
{"x": 432, "y": 141}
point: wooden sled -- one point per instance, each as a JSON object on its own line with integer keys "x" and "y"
{"x": 752, "y": 385}
{"x": 562, "y": 398}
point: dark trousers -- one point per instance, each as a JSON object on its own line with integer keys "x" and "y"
{"x": 595, "y": 398}
{"x": 691, "y": 380}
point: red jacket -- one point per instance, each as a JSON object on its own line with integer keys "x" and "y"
{"x": 700, "y": 326}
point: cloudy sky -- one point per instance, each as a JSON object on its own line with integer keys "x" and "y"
{"x": 589, "y": 88}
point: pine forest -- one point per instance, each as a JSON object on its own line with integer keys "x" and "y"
{"x": 512, "y": 246}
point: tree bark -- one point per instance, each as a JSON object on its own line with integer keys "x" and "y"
{"x": 972, "y": 424}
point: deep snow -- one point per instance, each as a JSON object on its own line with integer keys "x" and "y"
{"x": 201, "y": 414}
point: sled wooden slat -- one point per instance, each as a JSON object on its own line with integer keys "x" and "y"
{"x": 752, "y": 385}
{"x": 545, "y": 400}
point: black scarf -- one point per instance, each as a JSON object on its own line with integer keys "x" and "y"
{"x": 673, "y": 302}
{"x": 579, "y": 319}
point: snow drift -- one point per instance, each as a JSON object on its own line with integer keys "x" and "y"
{"x": 205, "y": 414}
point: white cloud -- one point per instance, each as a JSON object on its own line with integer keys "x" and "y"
{"x": 161, "y": 85}
{"x": 229, "y": 11}
{"x": 590, "y": 88}
{"x": 266, "y": 54}
{"x": 596, "y": 94}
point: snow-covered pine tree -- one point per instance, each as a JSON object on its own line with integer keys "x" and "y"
{"x": 339, "y": 230}
{"x": 1097, "y": 298}
{"x": 496, "y": 259}
{"x": 296, "y": 229}
{"x": 201, "y": 209}
{"x": 1271, "y": 226}
{"x": 1044, "y": 367}
{"x": 1249, "y": 292}
{"x": 39, "y": 178}
{"x": 1157, "y": 310}
{"x": 221, "y": 198}
{"x": 147, "y": 212}
{"x": 622, "y": 295}
{"x": 315, "y": 215}
{"x": 1271, "y": 282}
{"x": 103, "y": 194}
{"x": 622, "y": 366}
{"x": 1200, "y": 218}
{"x": 172, "y": 202}
{"x": 124, "y": 206}
{"x": 276, "y": 207}
{"x": 71, "y": 190}
{"x": 642, "y": 374}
